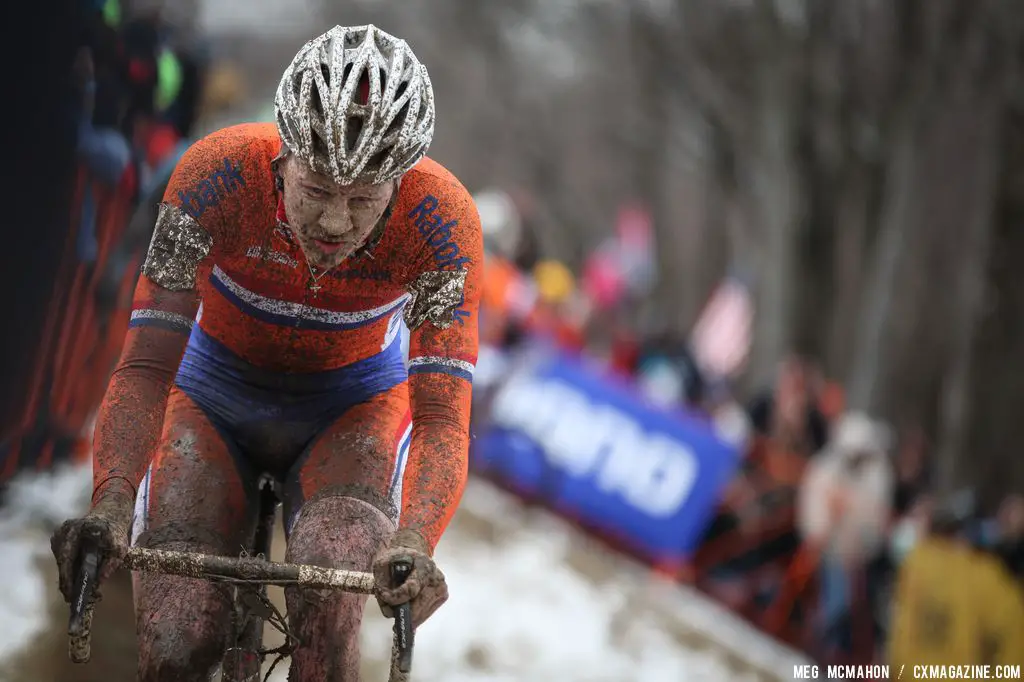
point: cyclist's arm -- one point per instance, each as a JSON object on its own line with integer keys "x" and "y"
{"x": 131, "y": 416}
{"x": 441, "y": 363}
{"x": 130, "y": 419}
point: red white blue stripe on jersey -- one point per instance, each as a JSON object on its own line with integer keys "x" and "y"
{"x": 290, "y": 314}
{"x": 141, "y": 515}
{"x": 431, "y": 364}
{"x": 147, "y": 317}
{"x": 401, "y": 458}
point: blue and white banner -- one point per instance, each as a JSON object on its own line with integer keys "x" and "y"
{"x": 590, "y": 446}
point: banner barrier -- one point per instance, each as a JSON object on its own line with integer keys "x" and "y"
{"x": 589, "y": 446}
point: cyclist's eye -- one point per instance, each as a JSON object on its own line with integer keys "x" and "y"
{"x": 362, "y": 202}
{"x": 315, "y": 191}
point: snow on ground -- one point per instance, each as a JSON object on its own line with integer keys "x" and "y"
{"x": 530, "y": 599}
{"x": 35, "y": 505}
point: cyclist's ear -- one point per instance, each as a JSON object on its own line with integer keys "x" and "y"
{"x": 277, "y": 167}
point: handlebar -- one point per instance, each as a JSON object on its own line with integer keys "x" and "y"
{"x": 250, "y": 569}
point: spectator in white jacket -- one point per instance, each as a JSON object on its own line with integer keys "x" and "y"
{"x": 843, "y": 511}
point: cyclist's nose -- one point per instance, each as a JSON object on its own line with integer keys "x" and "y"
{"x": 336, "y": 221}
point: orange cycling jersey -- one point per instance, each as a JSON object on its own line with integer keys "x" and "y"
{"x": 263, "y": 332}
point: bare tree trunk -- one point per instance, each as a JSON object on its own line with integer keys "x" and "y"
{"x": 997, "y": 391}
{"x": 955, "y": 408}
{"x": 655, "y": 117}
{"x": 754, "y": 100}
{"x": 980, "y": 175}
{"x": 897, "y": 220}
{"x": 775, "y": 209}
{"x": 848, "y": 263}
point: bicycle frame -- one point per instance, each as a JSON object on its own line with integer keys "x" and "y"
{"x": 243, "y": 662}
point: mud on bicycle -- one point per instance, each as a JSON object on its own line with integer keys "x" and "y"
{"x": 248, "y": 576}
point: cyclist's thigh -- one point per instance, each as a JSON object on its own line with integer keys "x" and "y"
{"x": 193, "y": 498}
{"x": 196, "y": 489}
{"x": 362, "y": 455}
{"x": 339, "y": 503}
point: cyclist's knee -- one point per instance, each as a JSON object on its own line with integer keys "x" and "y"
{"x": 341, "y": 528}
{"x": 180, "y": 622}
{"x": 336, "y": 531}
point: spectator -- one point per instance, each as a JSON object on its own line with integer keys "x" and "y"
{"x": 732, "y": 424}
{"x": 1009, "y": 540}
{"x": 913, "y": 524}
{"x": 222, "y": 88}
{"x": 843, "y": 511}
{"x": 528, "y": 249}
{"x": 912, "y": 474}
{"x": 109, "y": 66}
{"x": 182, "y": 111}
{"x": 788, "y": 413}
{"x": 557, "y": 313}
{"x": 668, "y": 373}
{"x": 103, "y": 151}
{"x": 611, "y": 342}
{"x": 140, "y": 37}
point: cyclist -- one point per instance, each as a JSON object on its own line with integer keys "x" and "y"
{"x": 307, "y": 244}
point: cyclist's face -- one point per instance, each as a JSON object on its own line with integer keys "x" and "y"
{"x": 331, "y": 221}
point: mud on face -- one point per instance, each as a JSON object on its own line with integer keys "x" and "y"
{"x": 330, "y": 221}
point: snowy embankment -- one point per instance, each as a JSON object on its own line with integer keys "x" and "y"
{"x": 531, "y": 599}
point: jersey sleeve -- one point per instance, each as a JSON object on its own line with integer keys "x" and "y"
{"x": 190, "y": 230}
{"x": 443, "y": 322}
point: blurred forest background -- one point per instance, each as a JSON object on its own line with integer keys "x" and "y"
{"x": 858, "y": 163}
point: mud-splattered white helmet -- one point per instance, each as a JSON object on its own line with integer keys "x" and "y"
{"x": 356, "y": 105}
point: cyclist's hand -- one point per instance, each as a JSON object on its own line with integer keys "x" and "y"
{"x": 108, "y": 524}
{"x": 425, "y": 588}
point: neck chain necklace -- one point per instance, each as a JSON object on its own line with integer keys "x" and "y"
{"x": 315, "y": 274}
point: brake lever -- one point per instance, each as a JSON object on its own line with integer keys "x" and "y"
{"x": 400, "y": 571}
{"x": 86, "y": 579}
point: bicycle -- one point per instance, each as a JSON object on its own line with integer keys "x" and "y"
{"x": 248, "y": 575}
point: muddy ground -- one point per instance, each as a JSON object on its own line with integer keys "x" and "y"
{"x": 704, "y": 638}
{"x": 113, "y": 642}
